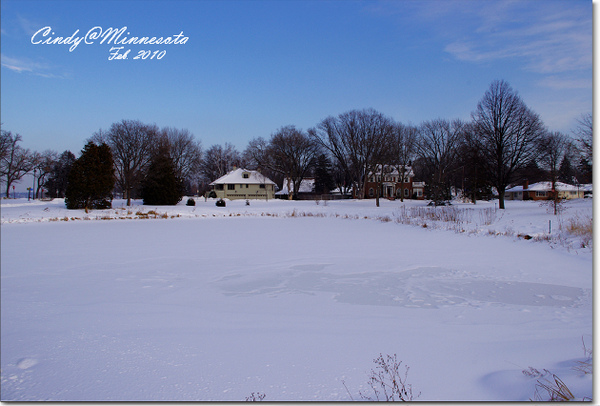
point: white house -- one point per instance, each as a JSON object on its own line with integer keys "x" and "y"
{"x": 543, "y": 191}
{"x": 307, "y": 186}
{"x": 244, "y": 184}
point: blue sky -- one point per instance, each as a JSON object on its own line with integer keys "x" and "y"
{"x": 251, "y": 67}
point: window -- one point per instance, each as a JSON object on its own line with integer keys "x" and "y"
{"x": 405, "y": 192}
{"x": 541, "y": 194}
{"x": 371, "y": 192}
{"x": 245, "y": 175}
{"x": 262, "y": 186}
{"x": 231, "y": 187}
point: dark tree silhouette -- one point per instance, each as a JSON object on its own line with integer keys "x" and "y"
{"x": 91, "y": 179}
{"x": 162, "y": 185}
{"x": 57, "y": 180}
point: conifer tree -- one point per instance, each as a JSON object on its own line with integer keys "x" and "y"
{"x": 91, "y": 179}
{"x": 162, "y": 186}
{"x": 323, "y": 179}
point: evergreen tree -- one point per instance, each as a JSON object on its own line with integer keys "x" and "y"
{"x": 324, "y": 181}
{"x": 566, "y": 173}
{"x": 584, "y": 171}
{"x": 57, "y": 182}
{"x": 91, "y": 179}
{"x": 162, "y": 186}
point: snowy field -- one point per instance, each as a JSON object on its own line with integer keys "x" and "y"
{"x": 293, "y": 300}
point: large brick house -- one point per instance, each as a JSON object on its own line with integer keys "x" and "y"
{"x": 392, "y": 186}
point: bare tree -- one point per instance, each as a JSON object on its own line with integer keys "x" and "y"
{"x": 471, "y": 161}
{"x": 5, "y": 143}
{"x": 554, "y": 147}
{"x": 358, "y": 140}
{"x": 185, "y": 151}
{"x": 292, "y": 153}
{"x": 403, "y": 149}
{"x": 218, "y": 160}
{"x": 132, "y": 143}
{"x": 257, "y": 154}
{"x": 43, "y": 165}
{"x": 507, "y": 133}
{"x": 585, "y": 135}
{"x": 438, "y": 149}
{"x": 15, "y": 161}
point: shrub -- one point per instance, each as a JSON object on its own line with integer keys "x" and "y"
{"x": 553, "y": 390}
{"x": 191, "y": 202}
{"x": 255, "y": 397}
{"x": 387, "y": 382}
{"x": 220, "y": 203}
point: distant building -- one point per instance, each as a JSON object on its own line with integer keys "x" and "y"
{"x": 392, "y": 186}
{"x": 244, "y": 184}
{"x": 305, "y": 191}
{"x": 543, "y": 191}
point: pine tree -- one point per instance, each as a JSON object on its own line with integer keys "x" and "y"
{"x": 91, "y": 179}
{"x": 161, "y": 185}
{"x": 566, "y": 173}
{"x": 323, "y": 179}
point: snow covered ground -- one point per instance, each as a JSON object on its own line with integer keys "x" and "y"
{"x": 293, "y": 300}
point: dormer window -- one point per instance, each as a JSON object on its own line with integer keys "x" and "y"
{"x": 245, "y": 175}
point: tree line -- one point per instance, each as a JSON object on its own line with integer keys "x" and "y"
{"x": 504, "y": 142}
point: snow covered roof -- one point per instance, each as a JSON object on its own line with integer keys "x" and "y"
{"x": 544, "y": 187}
{"x": 306, "y": 186}
{"x": 393, "y": 171}
{"x": 243, "y": 176}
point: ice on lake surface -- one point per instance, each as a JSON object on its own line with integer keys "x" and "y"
{"x": 218, "y": 303}
{"x": 420, "y": 287}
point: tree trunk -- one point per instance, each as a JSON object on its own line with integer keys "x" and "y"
{"x": 501, "y": 199}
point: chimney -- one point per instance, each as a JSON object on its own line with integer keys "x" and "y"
{"x": 526, "y": 185}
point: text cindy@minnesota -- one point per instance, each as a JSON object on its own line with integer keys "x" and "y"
{"x": 109, "y": 36}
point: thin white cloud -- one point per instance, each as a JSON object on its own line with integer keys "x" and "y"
{"x": 30, "y": 27}
{"x": 543, "y": 37}
{"x": 548, "y": 39}
{"x": 21, "y": 65}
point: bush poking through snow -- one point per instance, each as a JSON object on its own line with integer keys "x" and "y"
{"x": 553, "y": 390}
{"x": 582, "y": 227}
{"x": 190, "y": 202}
{"x": 255, "y": 397}
{"x": 387, "y": 381}
{"x": 585, "y": 366}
